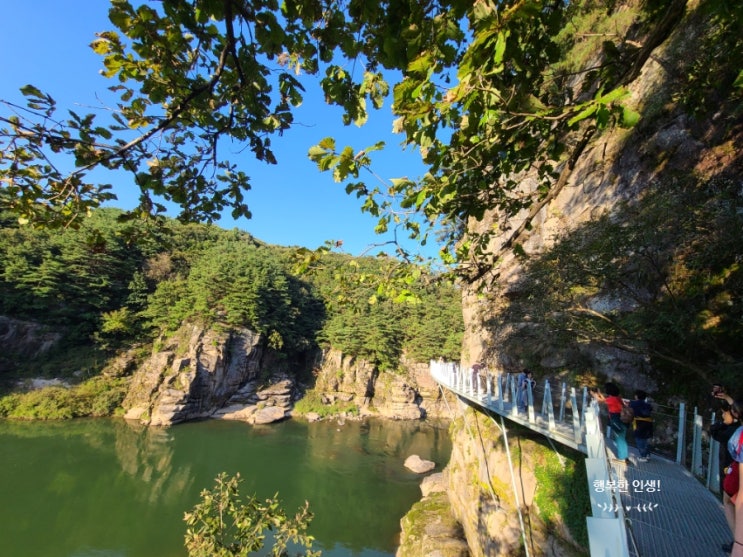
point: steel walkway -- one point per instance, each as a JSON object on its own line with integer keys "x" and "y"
{"x": 648, "y": 509}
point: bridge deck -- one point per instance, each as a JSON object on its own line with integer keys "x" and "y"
{"x": 680, "y": 519}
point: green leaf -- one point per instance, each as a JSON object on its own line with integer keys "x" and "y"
{"x": 629, "y": 117}
{"x": 31, "y": 91}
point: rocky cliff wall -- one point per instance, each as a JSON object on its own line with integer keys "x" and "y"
{"x": 408, "y": 394}
{"x": 615, "y": 179}
{"x": 230, "y": 374}
{"x": 478, "y": 502}
{"x": 24, "y": 340}
{"x": 193, "y": 373}
{"x": 509, "y": 323}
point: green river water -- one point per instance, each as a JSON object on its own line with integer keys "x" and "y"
{"x": 106, "y": 488}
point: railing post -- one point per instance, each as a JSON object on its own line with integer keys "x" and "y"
{"x": 548, "y": 406}
{"x": 499, "y": 392}
{"x": 514, "y": 408}
{"x": 563, "y": 390}
{"x": 681, "y": 440}
{"x": 713, "y": 462}
{"x": 583, "y": 406}
{"x": 548, "y": 410}
{"x": 577, "y": 434}
{"x": 530, "y": 402}
{"x": 489, "y": 386}
{"x": 696, "y": 446}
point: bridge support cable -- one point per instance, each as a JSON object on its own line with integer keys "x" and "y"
{"x": 517, "y": 499}
{"x": 502, "y": 427}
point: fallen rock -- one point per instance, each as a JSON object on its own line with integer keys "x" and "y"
{"x": 268, "y": 415}
{"x": 416, "y": 464}
{"x": 312, "y": 417}
{"x": 435, "y": 483}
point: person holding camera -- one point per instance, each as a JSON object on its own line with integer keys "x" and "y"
{"x": 722, "y": 431}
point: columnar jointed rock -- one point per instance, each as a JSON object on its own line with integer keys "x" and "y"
{"x": 197, "y": 372}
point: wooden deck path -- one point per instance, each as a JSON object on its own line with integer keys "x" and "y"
{"x": 644, "y": 509}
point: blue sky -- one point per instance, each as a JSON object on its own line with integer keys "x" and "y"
{"x": 45, "y": 43}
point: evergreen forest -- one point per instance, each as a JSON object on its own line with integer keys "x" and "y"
{"x": 114, "y": 283}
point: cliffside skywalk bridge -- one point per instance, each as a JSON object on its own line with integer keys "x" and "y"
{"x": 650, "y": 509}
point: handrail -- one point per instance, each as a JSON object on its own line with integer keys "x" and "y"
{"x": 692, "y": 445}
{"x": 578, "y": 425}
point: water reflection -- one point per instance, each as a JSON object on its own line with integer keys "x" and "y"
{"x": 110, "y": 488}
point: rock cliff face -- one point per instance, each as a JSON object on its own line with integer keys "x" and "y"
{"x": 508, "y": 320}
{"x": 210, "y": 373}
{"x": 478, "y": 503}
{"x": 22, "y": 340}
{"x": 410, "y": 395}
{"x": 626, "y": 180}
{"x": 194, "y": 373}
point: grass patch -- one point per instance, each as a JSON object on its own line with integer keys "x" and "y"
{"x": 97, "y": 397}
{"x": 562, "y": 494}
{"x": 312, "y": 402}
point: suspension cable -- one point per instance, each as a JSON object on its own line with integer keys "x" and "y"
{"x": 502, "y": 427}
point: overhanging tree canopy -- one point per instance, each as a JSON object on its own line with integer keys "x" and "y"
{"x": 479, "y": 96}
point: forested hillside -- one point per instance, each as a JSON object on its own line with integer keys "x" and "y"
{"x": 113, "y": 284}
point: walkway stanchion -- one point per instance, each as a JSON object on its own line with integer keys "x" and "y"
{"x": 499, "y": 392}
{"x": 563, "y": 390}
{"x": 548, "y": 410}
{"x": 696, "y": 446}
{"x": 530, "y": 402}
{"x": 577, "y": 435}
{"x": 583, "y": 406}
{"x": 713, "y": 477}
{"x": 514, "y": 406}
{"x": 489, "y": 386}
{"x": 681, "y": 440}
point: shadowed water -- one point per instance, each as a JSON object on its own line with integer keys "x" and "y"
{"x": 106, "y": 488}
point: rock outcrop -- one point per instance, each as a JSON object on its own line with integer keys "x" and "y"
{"x": 194, "y": 373}
{"x": 23, "y": 340}
{"x": 262, "y": 406}
{"x": 416, "y": 464}
{"x": 473, "y": 499}
{"x": 410, "y": 394}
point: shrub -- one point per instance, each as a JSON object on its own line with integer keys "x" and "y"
{"x": 224, "y": 524}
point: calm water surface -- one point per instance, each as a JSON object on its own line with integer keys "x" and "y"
{"x": 105, "y": 488}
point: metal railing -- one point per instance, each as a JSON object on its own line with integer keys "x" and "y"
{"x": 554, "y": 407}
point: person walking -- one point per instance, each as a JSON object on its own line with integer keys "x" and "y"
{"x": 643, "y": 423}
{"x": 722, "y": 431}
{"x": 614, "y": 404}
{"x": 523, "y": 381}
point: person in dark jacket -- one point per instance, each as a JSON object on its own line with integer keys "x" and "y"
{"x": 721, "y": 432}
{"x": 643, "y": 423}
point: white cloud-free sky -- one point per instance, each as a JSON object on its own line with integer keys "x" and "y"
{"x": 45, "y": 43}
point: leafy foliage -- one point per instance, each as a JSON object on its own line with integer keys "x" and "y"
{"x": 661, "y": 277}
{"x": 481, "y": 95}
{"x": 109, "y": 283}
{"x": 99, "y": 396}
{"x": 224, "y": 524}
{"x": 312, "y": 402}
